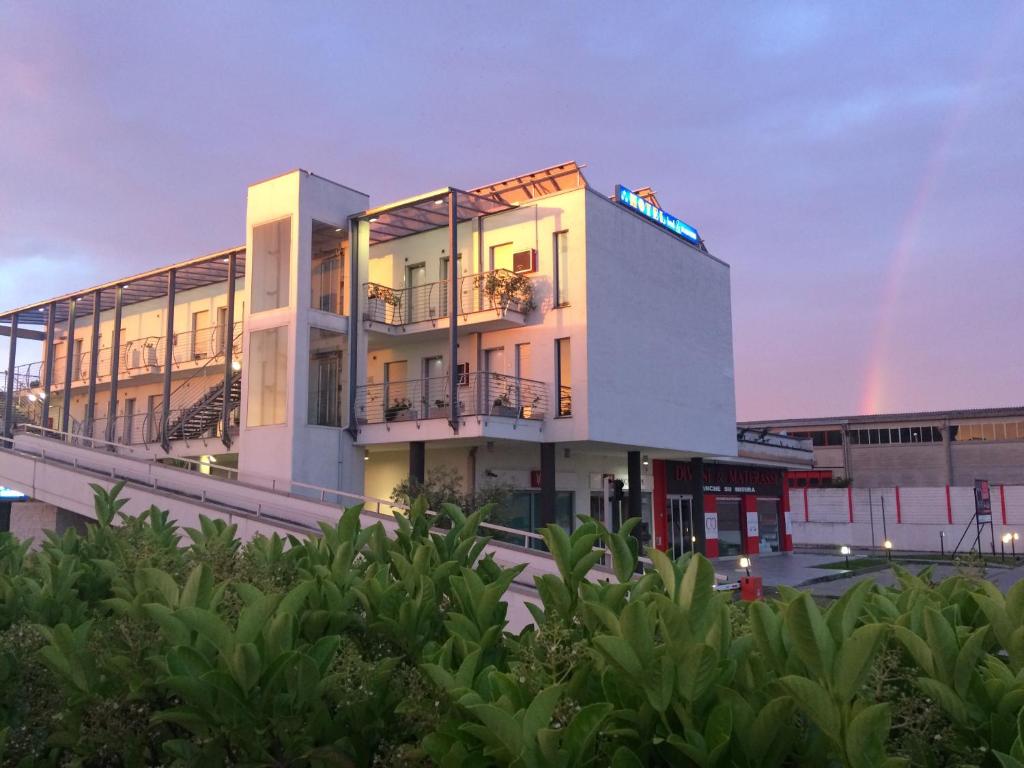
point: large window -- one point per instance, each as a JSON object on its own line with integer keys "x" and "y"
{"x": 329, "y": 244}
{"x": 325, "y": 377}
{"x": 894, "y": 435}
{"x": 564, "y": 383}
{"x": 522, "y": 511}
{"x": 501, "y": 256}
{"x": 561, "y": 252}
{"x": 270, "y": 264}
{"x": 268, "y": 377}
{"x": 1013, "y": 430}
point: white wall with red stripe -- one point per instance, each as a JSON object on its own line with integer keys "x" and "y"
{"x": 913, "y": 518}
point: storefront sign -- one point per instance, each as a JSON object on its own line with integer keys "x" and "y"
{"x": 633, "y": 201}
{"x": 983, "y": 501}
{"x": 726, "y": 479}
{"x": 9, "y": 494}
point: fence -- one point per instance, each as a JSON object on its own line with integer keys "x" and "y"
{"x": 919, "y": 519}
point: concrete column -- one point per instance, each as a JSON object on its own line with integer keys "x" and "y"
{"x": 453, "y": 310}
{"x": 547, "y": 484}
{"x": 417, "y": 463}
{"x": 697, "y": 491}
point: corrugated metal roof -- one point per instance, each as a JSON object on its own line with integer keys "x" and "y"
{"x": 1009, "y": 412}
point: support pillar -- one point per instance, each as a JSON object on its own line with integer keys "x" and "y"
{"x": 69, "y": 359}
{"x": 165, "y": 415}
{"x": 453, "y": 312}
{"x": 700, "y": 530}
{"x": 94, "y": 358}
{"x": 115, "y": 365}
{"x": 633, "y": 471}
{"x": 417, "y": 463}
{"x": 9, "y": 395}
{"x": 547, "y": 484}
{"x": 229, "y": 344}
{"x": 44, "y": 415}
{"x": 355, "y": 322}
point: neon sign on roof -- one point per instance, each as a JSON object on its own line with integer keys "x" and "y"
{"x": 633, "y": 201}
{"x": 10, "y": 493}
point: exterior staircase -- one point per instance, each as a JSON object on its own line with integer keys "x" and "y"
{"x": 198, "y": 419}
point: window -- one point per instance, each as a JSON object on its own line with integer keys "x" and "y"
{"x": 271, "y": 264}
{"x": 561, "y": 253}
{"x": 1013, "y": 430}
{"x": 522, "y": 511}
{"x": 564, "y": 382}
{"x": 268, "y": 377}
{"x": 325, "y": 377}
{"x": 328, "y": 265}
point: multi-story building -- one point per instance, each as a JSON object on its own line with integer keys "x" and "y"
{"x": 934, "y": 448}
{"x": 532, "y": 333}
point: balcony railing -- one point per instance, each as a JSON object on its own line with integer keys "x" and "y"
{"x": 479, "y": 394}
{"x": 146, "y": 355}
{"x": 499, "y": 290}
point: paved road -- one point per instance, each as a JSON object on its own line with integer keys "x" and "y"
{"x": 798, "y": 570}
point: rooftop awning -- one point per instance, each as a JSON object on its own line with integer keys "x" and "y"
{"x": 425, "y": 212}
{"x": 195, "y": 273}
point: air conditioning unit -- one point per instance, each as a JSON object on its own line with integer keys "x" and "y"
{"x": 524, "y": 261}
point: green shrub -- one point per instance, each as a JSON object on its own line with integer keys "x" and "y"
{"x": 127, "y": 647}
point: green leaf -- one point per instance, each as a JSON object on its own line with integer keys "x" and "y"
{"x": 538, "y": 714}
{"x": 866, "y": 736}
{"x": 162, "y": 583}
{"x": 810, "y": 637}
{"x": 947, "y": 699}
{"x": 967, "y": 660}
{"x": 942, "y": 641}
{"x": 718, "y": 729}
{"x": 666, "y": 570}
{"x": 254, "y": 618}
{"x": 209, "y": 626}
{"x": 244, "y": 664}
{"x": 581, "y": 734}
{"x": 560, "y": 547}
{"x": 198, "y": 585}
{"x": 623, "y": 557}
{"x": 774, "y": 720}
{"x": 697, "y": 671}
{"x": 502, "y": 726}
{"x": 620, "y": 652}
{"x": 766, "y": 627}
{"x": 815, "y": 702}
{"x": 695, "y": 589}
{"x": 917, "y": 648}
{"x": 855, "y": 659}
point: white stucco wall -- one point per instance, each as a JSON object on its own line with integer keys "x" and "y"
{"x": 659, "y": 329}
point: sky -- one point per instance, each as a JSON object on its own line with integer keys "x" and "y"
{"x": 859, "y": 165}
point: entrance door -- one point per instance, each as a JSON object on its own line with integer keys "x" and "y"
{"x": 415, "y": 301}
{"x": 200, "y": 334}
{"x": 680, "y": 526}
{"x": 768, "y": 524}
{"x": 730, "y": 535}
{"x": 435, "y": 403}
{"x": 129, "y": 421}
{"x": 497, "y": 401}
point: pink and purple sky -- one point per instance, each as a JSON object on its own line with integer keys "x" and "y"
{"x": 860, "y": 166}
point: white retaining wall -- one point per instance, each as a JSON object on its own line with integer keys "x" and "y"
{"x": 913, "y": 521}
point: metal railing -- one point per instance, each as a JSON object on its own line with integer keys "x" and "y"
{"x": 479, "y": 393}
{"x": 498, "y": 290}
{"x": 146, "y": 355}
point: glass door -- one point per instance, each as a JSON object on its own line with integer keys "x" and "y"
{"x": 415, "y": 278}
{"x": 680, "y": 525}
{"x": 768, "y": 524}
{"x": 730, "y": 537}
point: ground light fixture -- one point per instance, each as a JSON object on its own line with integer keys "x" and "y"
{"x": 745, "y": 564}
{"x": 887, "y": 545}
{"x": 845, "y": 552}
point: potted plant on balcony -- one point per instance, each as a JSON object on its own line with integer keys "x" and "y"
{"x": 507, "y": 290}
{"x": 502, "y": 406}
{"x": 378, "y": 299}
{"x": 397, "y": 409}
{"x": 439, "y": 408}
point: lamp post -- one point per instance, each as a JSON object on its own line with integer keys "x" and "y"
{"x": 942, "y": 543}
{"x": 745, "y": 564}
{"x": 887, "y": 545}
{"x": 845, "y": 552}
{"x": 1005, "y": 539}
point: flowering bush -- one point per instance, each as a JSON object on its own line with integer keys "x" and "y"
{"x": 126, "y": 647}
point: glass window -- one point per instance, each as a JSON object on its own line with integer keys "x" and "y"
{"x": 874, "y": 436}
{"x": 564, "y": 382}
{"x": 561, "y": 251}
{"x": 268, "y": 377}
{"x": 936, "y": 435}
{"x": 988, "y": 431}
{"x": 328, "y": 268}
{"x": 325, "y": 377}
{"x": 883, "y": 436}
{"x": 854, "y": 437}
{"x": 730, "y": 540}
{"x": 768, "y": 524}
{"x": 834, "y": 437}
{"x": 905, "y": 434}
{"x": 270, "y": 264}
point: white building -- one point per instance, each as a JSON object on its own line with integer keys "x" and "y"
{"x": 575, "y": 338}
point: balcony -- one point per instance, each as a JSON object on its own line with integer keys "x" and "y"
{"x": 490, "y": 404}
{"x": 487, "y": 301}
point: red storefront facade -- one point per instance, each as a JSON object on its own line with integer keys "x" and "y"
{"x": 720, "y": 509}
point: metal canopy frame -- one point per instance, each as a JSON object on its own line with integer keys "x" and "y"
{"x": 195, "y": 273}
{"x": 415, "y": 215}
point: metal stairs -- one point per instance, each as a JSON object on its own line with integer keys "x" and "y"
{"x": 198, "y": 419}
